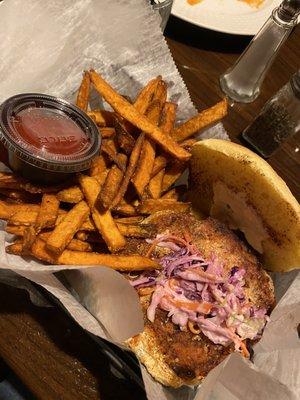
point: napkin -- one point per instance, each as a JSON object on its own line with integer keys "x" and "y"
{"x": 45, "y": 46}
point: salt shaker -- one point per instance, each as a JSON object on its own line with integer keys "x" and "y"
{"x": 278, "y": 119}
{"x": 242, "y": 81}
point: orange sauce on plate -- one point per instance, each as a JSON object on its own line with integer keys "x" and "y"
{"x": 251, "y": 3}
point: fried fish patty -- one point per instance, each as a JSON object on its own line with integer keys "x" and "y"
{"x": 175, "y": 357}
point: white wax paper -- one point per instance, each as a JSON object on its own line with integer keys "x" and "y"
{"x": 44, "y": 47}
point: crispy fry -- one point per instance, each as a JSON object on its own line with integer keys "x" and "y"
{"x": 201, "y": 120}
{"x": 168, "y": 117}
{"x": 78, "y": 245}
{"x": 13, "y": 182}
{"x": 68, "y": 257}
{"x": 159, "y": 163}
{"x": 108, "y": 147}
{"x": 26, "y": 217}
{"x": 125, "y": 208}
{"x": 70, "y": 195}
{"x": 155, "y": 184}
{"x": 64, "y": 232}
{"x": 129, "y": 220}
{"x": 102, "y": 219}
{"x": 132, "y": 164}
{"x": 126, "y": 143}
{"x": 28, "y": 239}
{"x": 84, "y": 91}
{"x": 170, "y": 194}
{"x": 174, "y": 193}
{"x": 102, "y": 118}
{"x": 15, "y": 248}
{"x": 111, "y": 185}
{"x": 99, "y": 169}
{"x": 37, "y": 189}
{"x": 143, "y": 170}
{"x": 107, "y": 132}
{"x": 145, "y": 164}
{"x": 147, "y": 157}
{"x": 9, "y": 209}
{"x": 10, "y": 181}
{"x": 111, "y": 144}
{"x": 92, "y": 237}
{"x": 127, "y": 230}
{"x": 145, "y": 96}
{"x": 16, "y": 230}
{"x": 90, "y": 188}
{"x": 160, "y": 94}
{"x": 82, "y": 235}
{"x": 99, "y": 165}
{"x": 48, "y": 212}
{"x": 139, "y": 231}
{"x": 151, "y": 206}
{"x": 130, "y": 113}
{"x": 4, "y": 175}
{"x": 172, "y": 173}
{"x": 19, "y": 196}
{"x": 108, "y": 229}
{"x": 166, "y": 125}
{"x": 75, "y": 244}
{"x": 97, "y": 117}
{"x": 88, "y": 225}
{"x": 124, "y": 138}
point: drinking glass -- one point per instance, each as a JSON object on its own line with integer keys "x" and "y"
{"x": 164, "y": 8}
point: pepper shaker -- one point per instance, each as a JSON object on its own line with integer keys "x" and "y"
{"x": 242, "y": 81}
{"x": 278, "y": 119}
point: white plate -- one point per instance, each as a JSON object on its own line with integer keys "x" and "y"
{"x": 228, "y": 16}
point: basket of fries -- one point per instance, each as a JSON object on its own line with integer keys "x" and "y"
{"x": 85, "y": 221}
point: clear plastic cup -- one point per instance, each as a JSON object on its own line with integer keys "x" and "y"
{"x": 47, "y": 138}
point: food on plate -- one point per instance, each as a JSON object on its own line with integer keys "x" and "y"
{"x": 131, "y": 114}
{"x": 155, "y": 184}
{"x": 131, "y": 167}
{"x": 68, "y": 257}
{"x": 111, "y": 184}
{"x": 102, "y": 218}
{"x": 46, "y": 138}
{"x": 172, "y": 172}
{"x": 210, "y": 298}
{"x": 7, "y": 209}
{"x": 65, "y": 231}
{"x": 205, "y": 118}
{"x": 252, "y": 3}
{"x": 145, "y": 96}
{"x": 114, "y": 213}
{"x": 47, "y": 213}
{"x": 144, "y": 167}
{"x": 241, "y": 189}
{"x": 72, "y": 194}
{"x": 151, "y": 206}
{"x": 103, "y": 118}
{"x": 84, "y": 92}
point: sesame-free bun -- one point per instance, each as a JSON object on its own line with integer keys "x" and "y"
{"x": 233, "y": 184}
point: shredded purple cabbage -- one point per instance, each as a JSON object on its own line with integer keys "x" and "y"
{"x": 197, "y": 291}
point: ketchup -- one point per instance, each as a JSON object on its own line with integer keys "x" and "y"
{"x": 46, "y": 138}
{"x": 49, "y": 130}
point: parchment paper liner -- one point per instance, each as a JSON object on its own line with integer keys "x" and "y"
{"x": 44, "y": 47}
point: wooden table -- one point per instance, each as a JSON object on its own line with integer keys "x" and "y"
{"x": 54, "y": 357}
